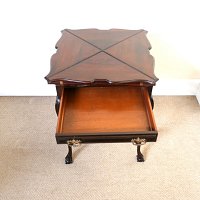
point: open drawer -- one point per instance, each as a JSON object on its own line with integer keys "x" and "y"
{"x": 105, "y": 114}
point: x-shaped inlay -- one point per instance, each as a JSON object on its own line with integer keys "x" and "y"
{"x": 91, "y": 50}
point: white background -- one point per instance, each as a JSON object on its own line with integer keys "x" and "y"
{"x": 30, "y": 30}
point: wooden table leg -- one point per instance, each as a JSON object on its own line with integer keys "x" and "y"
{"x": 68, "y": 158}
{"x": 151, "y": 97}
{"x": 152, "y": 102}
{"x": 58, "y": 97}
{"x": 57, "y": 105}
{"x": 140, "y": 157}
{"x": 138, "y": 142}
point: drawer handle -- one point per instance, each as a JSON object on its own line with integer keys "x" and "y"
{"x": 74, "y": 143}
{"x": 138, "y": 141}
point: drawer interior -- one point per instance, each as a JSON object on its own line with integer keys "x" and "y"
{"x": 105, "y": 110}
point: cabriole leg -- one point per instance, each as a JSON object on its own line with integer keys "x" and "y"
{"x": 140, "y": 157}
{"x": 58, "y": 97}
{"x": 68, "y": 158}
{"x": 57, "y": 105}
{"x": 152, "y": 102}
{"x": 71, "y": 143}
{"x": 151, "y": 97}
{"x": 138, "y": 142}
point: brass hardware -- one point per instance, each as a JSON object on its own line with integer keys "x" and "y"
{"x": 74, "y": 143}
{"x": 138, "y": 141}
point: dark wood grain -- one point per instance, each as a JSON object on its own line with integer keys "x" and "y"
{"x": 116, "y": 55}
{"x": 151, "y": 136}
{"x": 104, "y": 81}
{"x": 103, "y": 39}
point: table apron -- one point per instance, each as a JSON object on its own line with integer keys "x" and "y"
{"x": 150, "y": 137}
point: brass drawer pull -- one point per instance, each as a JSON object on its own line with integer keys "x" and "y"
{"x": 74, "y": 143}
{"x": 138, "y": 141}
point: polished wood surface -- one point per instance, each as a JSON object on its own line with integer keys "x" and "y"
{"x": 105, "y": 110}
{"x": 114, "y": 56}
{"x": 104, "y": 81}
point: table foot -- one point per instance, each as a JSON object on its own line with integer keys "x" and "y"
{"x": 68, "y": 158}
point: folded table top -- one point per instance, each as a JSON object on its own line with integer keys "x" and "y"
{"x": 111, "y": 57}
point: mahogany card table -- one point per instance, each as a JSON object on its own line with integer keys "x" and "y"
{"x": 104, "y": 81}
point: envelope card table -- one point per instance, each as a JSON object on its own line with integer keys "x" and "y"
{"x": 104, "y": 81}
